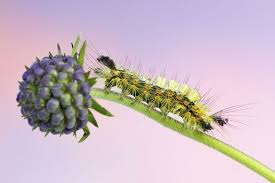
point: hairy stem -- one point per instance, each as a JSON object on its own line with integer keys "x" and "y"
{"x": 210, "y": 141}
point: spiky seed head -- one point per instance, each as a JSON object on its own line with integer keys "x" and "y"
{"x": 54, "y": 95}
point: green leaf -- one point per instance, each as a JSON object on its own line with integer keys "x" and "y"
{"x": 82, "y": 54}
{"x": 75, "y": 46}
{"x": 92, "y": 119}
{"x": 47, "y": 133}
{"x": 96, "y": 106}
{"x": 85, "y": 135}
{"x": 87, "y": 74}
{"x": 92, "y": 81}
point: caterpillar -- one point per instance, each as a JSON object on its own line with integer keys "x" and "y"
{"x": 167, "y": 96}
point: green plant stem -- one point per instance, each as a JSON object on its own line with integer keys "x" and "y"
{"x": 177, "y": 126}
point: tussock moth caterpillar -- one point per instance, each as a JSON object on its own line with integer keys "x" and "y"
{"x": 158, "y": 93}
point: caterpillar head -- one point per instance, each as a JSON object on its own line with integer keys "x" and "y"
{"x": 107, "y": 61}
{"x": 220, "y": 120}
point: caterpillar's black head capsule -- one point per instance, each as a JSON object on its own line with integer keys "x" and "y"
{"x": 107, "y": 61}
{"x": 220, "y": 121}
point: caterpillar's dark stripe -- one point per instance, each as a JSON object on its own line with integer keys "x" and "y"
{"x": 169, "y": 97}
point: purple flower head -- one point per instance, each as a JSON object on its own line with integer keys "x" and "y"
{"x": 26, "y": 110}
{"x": 44, "y": 127}
{"x": 78, "y": 75}
{"x": 65, "y": 100}
{"x": 51, "y": 69}
{"x": 54, "y": 95}
{"x": 46, "y": 61}
{"x": 71, "y": 123}
{"x": 72, "y": 87}
{"x": 26, "y": 74}
{"x": 68, "y": 131}
{"x": 67, "y": 67}
{"x": 58, "y": 90}
{"x": 57, "y": 59}
{"x": 59, "y": 128}
{"x": 31, "y": 122}
{"x": 82, "y": 114}
{"x": 35, "y": 65}
{"x": 82, "y": 123}
{"x": 20, "y": 97}
{"x": 30, "y": 78}
{"x": 43, "y": 115}
{"x": 78, "y": 100}
{"x": 39, "y": 103}
{"x": 85, "y": 88}
{"x": 52, "y": 105}
{"x": 38, "y": 71}
{"x": 57, "y": 118}
{"x": 44, "y": 93}
{"x": 29, "y": 96}
{"x": 62, "y": 77}
{"x": 70, "y": 112}
{"x": 47, "y": 80}
{"x": 88, "y": 101}
{"x": 70, "y": 60}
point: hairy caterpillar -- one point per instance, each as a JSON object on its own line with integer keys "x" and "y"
{"x": 167, "y": 96}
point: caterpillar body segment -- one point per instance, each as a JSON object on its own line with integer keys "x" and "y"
{"x": 168, "y": 96}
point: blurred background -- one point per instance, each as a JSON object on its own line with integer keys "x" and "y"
{"x": 226, "y": 46}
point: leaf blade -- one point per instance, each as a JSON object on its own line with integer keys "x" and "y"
{"x": 82, "y": 54}
{"x": 85, "y": 135}
{"x": 92, "y": 119}
{"x": 75, "y": 46}
{"x": 96, "y": 106}
{"x": 92, "y": 81}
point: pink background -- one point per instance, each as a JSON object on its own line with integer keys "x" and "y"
{"x": 228, "y": 46}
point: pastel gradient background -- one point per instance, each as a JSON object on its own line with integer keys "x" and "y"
{"x": 228, "y": 46}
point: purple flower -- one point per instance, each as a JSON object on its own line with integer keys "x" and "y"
{"x": 38, "y": 71}
{"x": 31, "y": 122}
{"x": 85, "y": 88}
{"x": 67, "y": 67}
{"x": 78, "y": 75}
{"x": 46, "y": 61}
{"x": 44, "y": 127}
{"x": 57, "y": 90}
{"x": 44, "y": 93}
{"x": 39, "y": 103}
{"x": 65, "y": 100}
{"x": 30, "y": 78}
{"x": 47, "y": 81}
{"x": 70, "y": 123}
{"x": 52, "y": 105}
{"x": 62, "y": 77}
{"x": 82, "y": 123}
{"x": 55, "y": 95}
{"x": 57, "y": 118}
{"x": 68, "y": 131}
{"x": 19, "y": 97}
{"x": 78, "y": 100}
{"x": 70, "y": 112}
{"x": 50, "y": 69}
{"x": 43, "y": 115}
{"x": 72, "y": 87}
{"x": 26, "y": 74}
{"x": 59, "y": 128}
{"x": 26, "y": 110}
{"x": 82, "y": 114}
{"x": 70, "y": 60}
{"x": 29, "y": 96}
